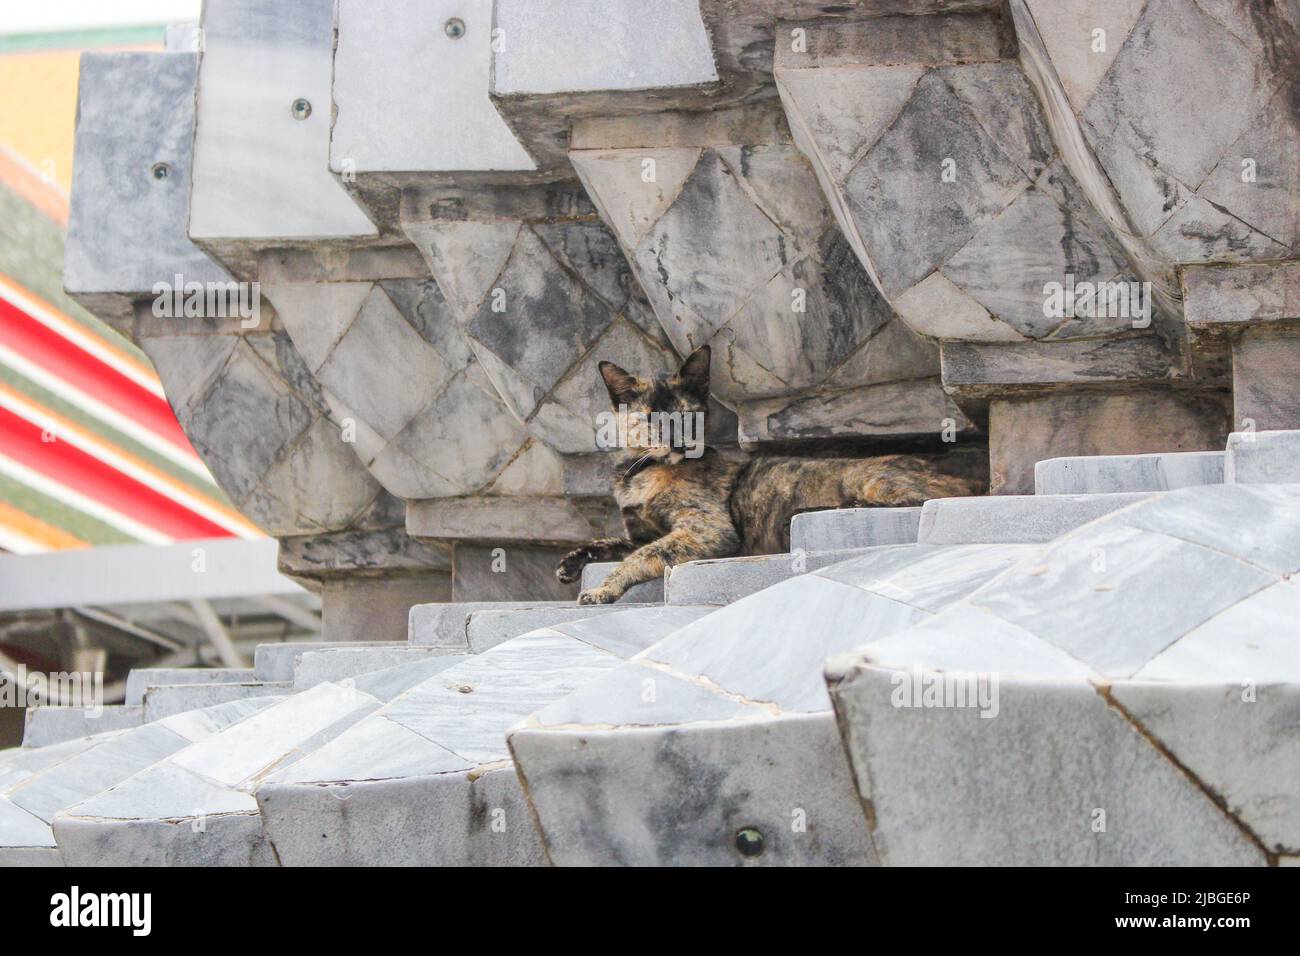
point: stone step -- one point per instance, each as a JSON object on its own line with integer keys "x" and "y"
{"x": 275, "y": 662}
{"x": 76, "y": 770}
{"x": 1108, "y": 474}
{"x": 647, "y": 592}
{"x": 341, "y": 663}
{"x": 195, "y": 806}
{"x": 169, "y": 700}
{"x": 723, "y": 723}
{"x": 1263, "y": 458}
{"x": 1011, "y": 519}
{"x": 428, "y": 779}
{"x": 52, "y": 725}
{"x": 1140, "y": 663}
{"x": 843, "y": 529}
{"x": 720, "y": 581}
{"x": 473, "y": 627}
{"x": 142, "y": 678}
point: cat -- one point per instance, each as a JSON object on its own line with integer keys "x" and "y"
{"x": 681, "y": 500}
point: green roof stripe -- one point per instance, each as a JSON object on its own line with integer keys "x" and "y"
{"x": 53, "y": 403}
{"x": 54, "y": 512}
{"x": 89, "y": 37}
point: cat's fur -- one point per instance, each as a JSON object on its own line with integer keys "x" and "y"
{"x": 677, "y": 508}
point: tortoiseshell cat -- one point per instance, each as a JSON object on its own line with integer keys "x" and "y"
{"x": 678, "y": 508}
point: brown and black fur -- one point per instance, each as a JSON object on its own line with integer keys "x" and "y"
{"x": 678, "y": 509}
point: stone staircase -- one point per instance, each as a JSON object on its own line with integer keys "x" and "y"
{"x": 1098, "y": 673}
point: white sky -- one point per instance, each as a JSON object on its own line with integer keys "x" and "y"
{"x": 40, "y": 16}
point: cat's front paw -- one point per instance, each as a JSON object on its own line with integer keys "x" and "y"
{"x": 570, "y": 568}
{"x": 600, "y": 595}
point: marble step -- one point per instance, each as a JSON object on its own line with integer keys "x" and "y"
{"x": 1109, "y": 474}
{"x": 1263, "y": 458}
{"x": 341, "y": 663}
{"x": 725, "y": 725}
{"x": 1168, "y": 668}
{"x": 841, "y": 529}
{"x": 474, "y": 627}
{"x": 195, "y": 806}
{"x": 169, "y": 700}
{"x": 647, "y": 592}
{"x": 720, "y": 581}
{"x": 52, "y": 725}
{"x": 76, "y": 770}
{"x": 275, "y": 662}
{"x": 142, "y": 678}
{"x": 428, "y": 778}
{"x": 1009, "y": 519}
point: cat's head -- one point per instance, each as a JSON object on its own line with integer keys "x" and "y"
{"x": 661, "y": 417}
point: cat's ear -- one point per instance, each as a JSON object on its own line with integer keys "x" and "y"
{"x": 694, "y": 373}
{"x": 622, "y": 386}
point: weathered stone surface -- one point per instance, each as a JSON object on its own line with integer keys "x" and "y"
{"x": 126, "y": 227}
{"x": 721, "y": 725}
{"x": 1225, "y": 297}
{"x": 719, "y": 581}
{"x": 195, "y": 807}
{"x": 1010, "y": 519}
{"x": 548, "y": 520}
{"x": 844, "y": 528}
{"x": 1086, "y": 642}
{"x": 142, "y": 678}
{"x": 261, "y": 173}
{"x": 377, "y": 608}
{"x": 340, "y": 664}
{"x": 475, "y": 626}
{"x": 174, "y": 700}
{"x": 1265, "y": 369}
{"x": 1023, "y": 432}
{"x": 61, "y": 775}
{"x": 52, "y": 725}
{"x": 1103, "y": 474}
{"x": 1263, "y": 457}
{"x": 437, "y": 754}
{"x": 508, "y": 573}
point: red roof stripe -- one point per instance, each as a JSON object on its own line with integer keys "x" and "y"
{"x": 63, "y": 462}
{"x": 60, "y": 357}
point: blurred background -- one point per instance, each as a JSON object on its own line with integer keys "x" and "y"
{"x": 102, "y": 498}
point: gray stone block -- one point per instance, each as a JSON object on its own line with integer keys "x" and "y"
{"x": 1107, "y": 474}
{"x": 486, "y": 629}
{"x": 337, "y": 664}
{"x": 142, "y": 678}
{"x": 724, "y": 580}
{"x": 1263, "y": 458}
{"x": 169, "y": 701}
{"x": 647, "y": 592}
{"x": 447, "y": 625}
{"x": 275, "y": 662}
{"x": 52, "y": 725}
{"x": 1014, "y": 519}
{"x": 720, "y": 725}
{"x": 131, "y": 181}
{"x": 438, "y": 752}
{"x": 845, "y": 528}
{"x": 1151, "y": 640}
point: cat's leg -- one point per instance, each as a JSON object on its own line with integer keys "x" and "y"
{"x": 708, "y": 536}
{"x": 908, "y": 482}
{"x": 604, "y": 549}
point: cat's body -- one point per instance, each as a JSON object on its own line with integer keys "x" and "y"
{"x": 677, "y": 508}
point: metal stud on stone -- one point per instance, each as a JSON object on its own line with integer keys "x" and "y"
{"x": 160, "y": 171}
{"x": 455, "y": 28}
{"x": 749, "y": 841}
{"x": 301, "y": 108}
